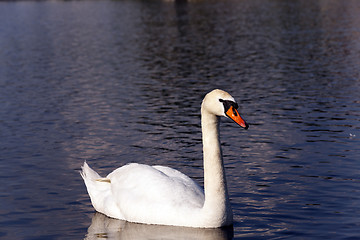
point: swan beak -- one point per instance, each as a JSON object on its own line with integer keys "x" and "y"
{"x": 235, "y": 116}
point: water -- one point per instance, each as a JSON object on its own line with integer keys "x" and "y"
{"x": 113, "y": 82}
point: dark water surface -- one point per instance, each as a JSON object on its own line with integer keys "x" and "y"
{"x": 113, "y": 82}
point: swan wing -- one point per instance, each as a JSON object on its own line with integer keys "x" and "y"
{"x": 193, "y": 192}
{"x": 154, "y": 194}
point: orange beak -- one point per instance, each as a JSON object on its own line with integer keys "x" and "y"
{"x": 235, "y": 116}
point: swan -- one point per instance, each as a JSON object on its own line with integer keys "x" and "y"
{"x": 161, "y": 195}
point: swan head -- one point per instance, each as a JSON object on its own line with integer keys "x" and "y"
{"x": 221, "y": 103}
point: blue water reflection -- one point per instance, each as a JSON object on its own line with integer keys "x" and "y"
{"x": 113, "y": 82}
{"x": 104, "y": 227}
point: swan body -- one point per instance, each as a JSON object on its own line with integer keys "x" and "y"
{"x": 162, "y": 195}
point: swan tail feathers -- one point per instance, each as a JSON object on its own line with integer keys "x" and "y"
{"x": 98, "y": 188}
{"x": 88, "y": 174}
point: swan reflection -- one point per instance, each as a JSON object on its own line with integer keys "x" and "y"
{"x": 103, "y": 227}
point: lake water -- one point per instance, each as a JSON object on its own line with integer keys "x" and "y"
{"x": 113, "y": 82}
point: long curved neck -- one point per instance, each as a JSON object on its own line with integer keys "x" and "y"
{"x": 216, "y": 195}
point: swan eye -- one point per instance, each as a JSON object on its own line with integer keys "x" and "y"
{"x": 228, "y": 104}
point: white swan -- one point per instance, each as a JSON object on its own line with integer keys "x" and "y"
{"x": 162, "y": 195}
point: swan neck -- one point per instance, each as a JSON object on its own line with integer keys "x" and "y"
{"x": 215, "y": 187}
